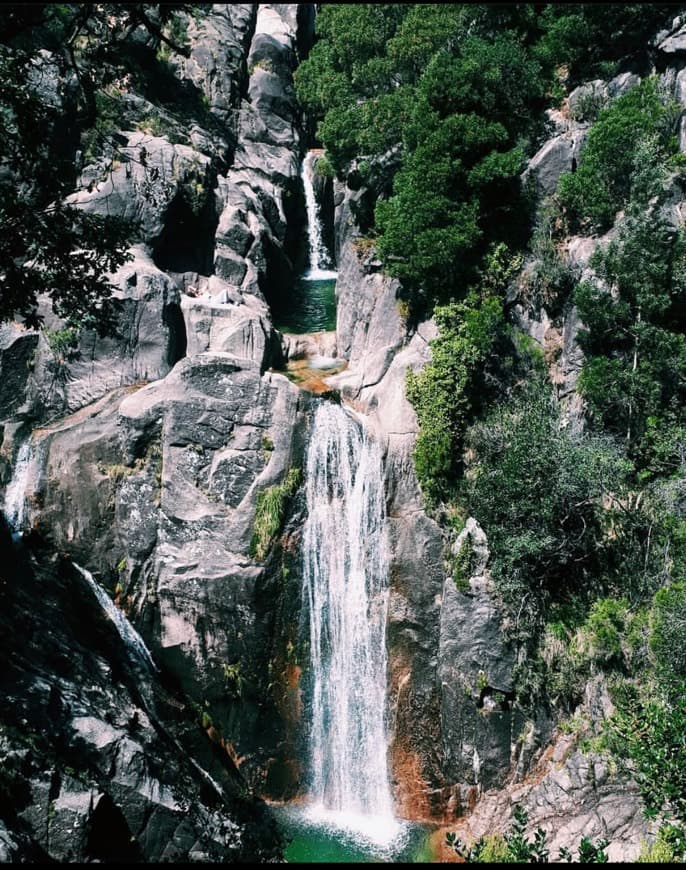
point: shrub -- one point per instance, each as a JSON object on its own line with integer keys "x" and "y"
{"x": 270, "y": 512}
{"x": 668, "y": 633}
{"x": 537, "y": 491}
{"x": 601, "y": 185}
{"x": 445, "y": 393}
{"x": 648, "y": 729}
{"x": 605, "y": 626}
{"x": 633, "y": 338}
{"x": 668, "y": 847}
{"x": 516, "y": 847}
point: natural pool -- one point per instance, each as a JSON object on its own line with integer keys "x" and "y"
{"x": 320, "y": 837}
{"x": 311, "y": 307}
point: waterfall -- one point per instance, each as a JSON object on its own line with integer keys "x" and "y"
{"x": 345, "y": 592}
{"x": 134, "y": 643}
{"x": 15, "y": 494}
{"x": 320, "y": 261}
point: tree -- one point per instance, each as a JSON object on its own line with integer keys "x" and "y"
{"x": 591, "y": 40}
{"x": 602, "y": 184}
{"x": 634, "y": 374}
{"x": 53, "y": 60}
{"x": 543, "y": 496}
{"x": 440, "y": 98}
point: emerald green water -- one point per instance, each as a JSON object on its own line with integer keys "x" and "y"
{"x": 314, "y": 841}
{"x": 310, "y": 308}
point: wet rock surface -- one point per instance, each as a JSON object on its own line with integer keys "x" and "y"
{"x": 99, "y": 761}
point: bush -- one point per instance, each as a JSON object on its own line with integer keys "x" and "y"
{"x": 648, "y": 728}
{"x": 605, "y": 626}
{"x": 516, "y": 847}
{"x": 668, "y": 847}
{"x": 601, "y": 185}
{"x": 538, "y": 493}
{"x": 668, "y": 633}
{"x": 589, "y": 39}
{"x": 633, "y": 338}
{"x": 448, "y": 390}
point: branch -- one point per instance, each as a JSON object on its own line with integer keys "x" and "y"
{"x": 157, "y": 31}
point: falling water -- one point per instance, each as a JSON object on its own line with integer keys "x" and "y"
{"x": 320, "y": 261}
{"x": 132, "y": 640}
{"x": 15, "y": 494}
{"x": 345, "y": 592}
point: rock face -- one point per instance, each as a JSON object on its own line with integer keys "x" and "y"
{"x": 475, "y": 668}
{"x": 149, "y": 453}
{"x": 154, "y": 456}
{"x": 99, "y": 762}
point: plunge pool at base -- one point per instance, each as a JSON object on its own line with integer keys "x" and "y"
{"x": 320, "y": 836}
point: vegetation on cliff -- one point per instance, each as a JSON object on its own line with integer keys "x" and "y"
{"x": 437, "y": 109}
{"x": 61, "y": 73}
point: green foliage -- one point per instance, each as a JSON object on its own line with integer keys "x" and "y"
{"x": 537, "y": 491}
{"x": 634, "y": 337}
{"x": 270, "y": 512}
{"x": 446, "y": 391}
{"x": 589, "y": 38}
{"x": 516, "y": 847}
{"x": 235, "y": 682}
{"x": 602, "y": 183}
{"x": 323, "y": 167}
{"x": 63, "y": 343}
{"x": 548, "y": 282}
{"x": 462, "y": 159}
{"x": 668, "y": 847}
{"x": 668, "y": 634}
{"x": 649, "y": 729}
{"x": 445, "y": 94}
{"x": 606, "y": 625}
{"x": 462, "y": 564}
{"x": 445, "y": 101}
{"x": 589, "y": 105}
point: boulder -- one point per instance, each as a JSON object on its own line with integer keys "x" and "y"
{"x": 549, "y": 163}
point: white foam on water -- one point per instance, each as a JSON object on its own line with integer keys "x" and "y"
{"x": 384, "y": 833}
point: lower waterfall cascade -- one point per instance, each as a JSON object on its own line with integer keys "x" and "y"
{"x": 345, "y": 594}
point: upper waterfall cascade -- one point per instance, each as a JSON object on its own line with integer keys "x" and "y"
{"x": 345, "y": 592}
{"x": 320, "y": 266}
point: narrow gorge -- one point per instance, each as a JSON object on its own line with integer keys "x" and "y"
{"x": 261, "y": 595}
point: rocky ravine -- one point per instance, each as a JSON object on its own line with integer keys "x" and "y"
{"x": 148, "y": 452}
{"x": 148, "y": 456}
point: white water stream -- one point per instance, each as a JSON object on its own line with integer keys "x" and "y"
{"x": 15, "y": 495}
{"x": 345, "y": 593}
{"x": 132, "y": 640}
{"x": 320, "y": 266}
